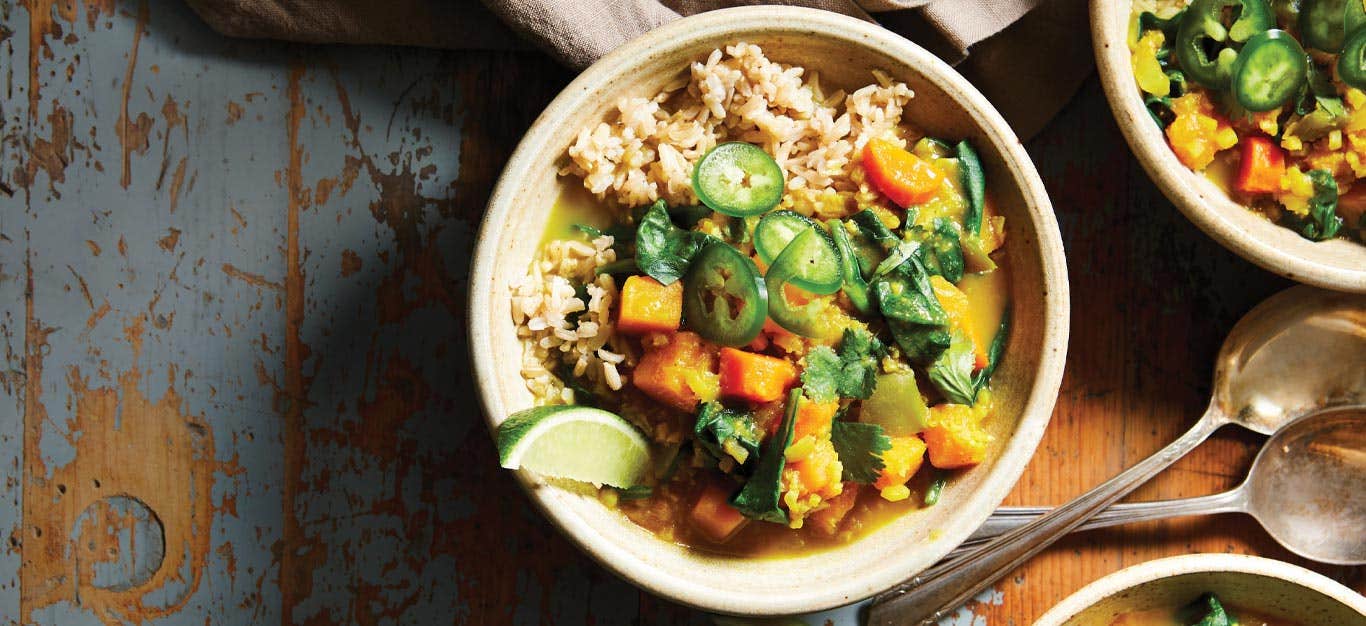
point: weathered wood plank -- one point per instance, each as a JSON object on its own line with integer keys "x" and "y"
{"x": 246, "y": 321}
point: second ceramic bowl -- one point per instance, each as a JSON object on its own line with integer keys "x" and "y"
{"x": 1272, "y": 588}
{"x": 1337, "y": 264}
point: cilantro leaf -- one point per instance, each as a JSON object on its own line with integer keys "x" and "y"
{"x": 717, "y": 425}
{"x": 663, "y": 250}
{"x": 860, "y": 352}
{"x": 860, "y": 448}
{"x": 850, "y": 373}
{"x": 761, "y": 495}
{"x": 821, "y": 375}
{"x": 951, "y": 373}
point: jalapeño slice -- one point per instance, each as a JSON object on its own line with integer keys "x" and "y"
{"x": 738, "y": 179}
{"x": 724, "y": 297}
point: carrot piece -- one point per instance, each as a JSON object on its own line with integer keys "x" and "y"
{"x": 954, "y": 438}
{"x": 900, "y": 463}
{"x": 904, "y": 177}
{"x": 959, "y": 310}
{"x": 714, "y": 516}
{"x": 755, "y": 377}
{"x": 649, "y": 307}
{"x": 814, "y": 418}
{"x": 670, "y": 373}
{"x": 1261, "y": 167}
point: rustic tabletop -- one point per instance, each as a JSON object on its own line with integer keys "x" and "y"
{"x": 232, "y": 291}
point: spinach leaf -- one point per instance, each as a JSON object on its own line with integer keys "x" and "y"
{"x": 855, "y": 287}
{"x": 760, "y": 497}
{"x": 1148, "y": 20}
{"x": 852, "y": 373}
{"x": 994, "y": 354}
{"x": 593, "y": 232}
{"x": 936, "y": 488}
{"x": 582, "y": 395}
{"x": 635, "y": 492}
{"x": 581, "y": 293}
{"x": 951, "y": 373}
{"x": 716, "y": 426}
{"x": 1160, "y": 109}
{"x": 974, "y": 186}
{"x": 898, "y": 255}
{"x": 618, "y": 267}
{"x": 917, "y": 321}
{"x": 860, "y": 448}
{"x": 663, "y": 250}
{"x": 872, "y": 227}
{"x": 940, "y": 250}
{"x": 686, "y": 217}
{"x": 1323, "y": 222}
{"x": 1215, "y": 615}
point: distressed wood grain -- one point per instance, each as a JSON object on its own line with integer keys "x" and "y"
{"x": 232, "y": 291}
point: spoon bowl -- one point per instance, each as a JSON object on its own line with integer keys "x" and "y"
{"x": 1301, "y": 351}
{"x": 1308, "y": 487}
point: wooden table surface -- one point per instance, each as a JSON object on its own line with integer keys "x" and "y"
{"x": 232, "y": 291}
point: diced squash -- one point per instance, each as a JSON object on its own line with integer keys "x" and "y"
{"x": 827, "y": 520}
{"x": 669, "y": 372}
{"x": 755, "y": 377}
{"x": 1199, "y": 131}
{"x": 954, "y": 437}
{"x": 713, "y": 515}
{"x": 821, "y": 470}
{"x": 958, "y": 308}
{"x": 814, "y": 418}
{"x": 900, "y": 463}
{"x": 648, "y": 306}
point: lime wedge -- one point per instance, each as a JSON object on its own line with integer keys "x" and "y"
{"x": 575, "y": 442}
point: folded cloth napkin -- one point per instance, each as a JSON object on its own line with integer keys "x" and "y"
{"x": 1028, "y": 56}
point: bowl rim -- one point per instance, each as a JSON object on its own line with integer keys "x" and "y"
{"x": 1039, "y": 397}
{"x": 1224, "y": 220}
{"x": 1168, "y": 567}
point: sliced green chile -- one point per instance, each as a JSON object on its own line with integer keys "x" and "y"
{"x": 1202, "y": 29}
{"x": 807, "y": 320}
{"x": 724, "y": 298}
{"x": 1326, "y": 24}
{"x": 1269, "y": 72}
{"x": 1352, "y": 62}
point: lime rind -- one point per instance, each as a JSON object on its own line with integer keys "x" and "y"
{"x": 574, "y": 442}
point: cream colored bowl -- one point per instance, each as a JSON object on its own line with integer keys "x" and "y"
{"x": 1273, "y": 588}
{"x": 1338, "y": 264}
{"x": 844, "y": 51}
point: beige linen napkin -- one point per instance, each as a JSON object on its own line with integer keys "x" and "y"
{"x": 1028, "y": 71}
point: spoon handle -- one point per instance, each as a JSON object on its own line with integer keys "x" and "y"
{"x": 1008, "y": 518}
{"x": 928, "y": 597}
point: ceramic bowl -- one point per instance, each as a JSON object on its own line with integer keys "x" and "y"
{"x": 1338, "y": 264}
{"x": 844, "y": 51}
{"x": 1273, "y": 588}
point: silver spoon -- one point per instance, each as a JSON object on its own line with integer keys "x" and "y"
{"x": 1300, "y": 352}
{"x": 1307, "y": 488}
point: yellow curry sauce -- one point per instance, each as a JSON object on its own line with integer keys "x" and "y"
{"x": 665, "y": 513}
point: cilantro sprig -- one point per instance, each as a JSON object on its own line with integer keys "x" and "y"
{"x": 849, "y": 373}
